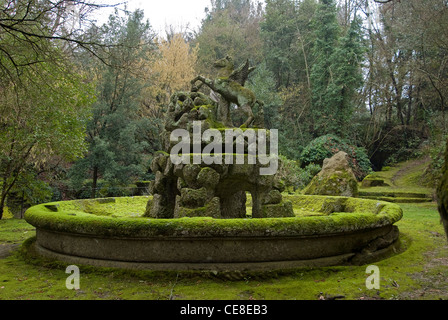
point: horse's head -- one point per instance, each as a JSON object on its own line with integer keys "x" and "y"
{"x": 225, "y": 66}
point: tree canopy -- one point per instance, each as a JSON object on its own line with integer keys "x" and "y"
{"x": 82, "y": 104}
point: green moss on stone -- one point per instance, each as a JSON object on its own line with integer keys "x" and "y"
{"x": 372, "y": 181}
{"x": 337, "y": 184}
{"x": 194, "y": 197}
{"x": 210, "y": 209}
{"x": 208, "y": 177}
{"x": 71, "y": 218}
{"x": 279, "y": 210}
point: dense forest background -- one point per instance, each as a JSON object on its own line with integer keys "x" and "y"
{"x": 82, "y": 104}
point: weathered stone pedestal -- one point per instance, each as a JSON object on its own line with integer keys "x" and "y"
{"x": 218, "y": 189}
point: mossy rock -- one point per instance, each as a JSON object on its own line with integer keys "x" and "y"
{"x": 148, "y": 208}
{"x": 333, "y": 205}
{"x": 159, "y": 208}
{"x": 106, "y": 200}
{"x": 210, "y": 209}
{"x": 397, "y": 194}
{"x": 280, "y": 210}
{"x": 338, "y": 184}
{"x": 194, "y": 197}
{"x": 273, "y": 197}
{"x": 190, "y": 173}
{"x": 208, "y": 177}
{"x": 397, "y": 197}
{"x": 372, "y": 181}
{"x": 159, "y": 162}
{"x": 52, "y": 207}
{"x": 442, "y": 193}
{"x": 335, "y": 179}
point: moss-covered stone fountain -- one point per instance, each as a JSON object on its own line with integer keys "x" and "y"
{"x": 224, "y": 212}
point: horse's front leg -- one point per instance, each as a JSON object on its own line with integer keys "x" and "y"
{"x": 203, "y": 80}
{"x": 195, "y": 79}
{"x": 247, "y": 109}
{"x": 194, "y": 87}
{"x": 209, "y": 83}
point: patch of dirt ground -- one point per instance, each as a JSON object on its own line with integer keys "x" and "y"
{"x": 6, "y": 249}
{"x": 434, "y": 277}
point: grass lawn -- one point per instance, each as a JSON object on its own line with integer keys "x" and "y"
{"x": 403, "y": 177}
{"x": 420, "y": 272}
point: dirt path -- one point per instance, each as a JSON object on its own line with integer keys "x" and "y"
{"x": 7, "y": 249}
{"x": 408, "y": 167}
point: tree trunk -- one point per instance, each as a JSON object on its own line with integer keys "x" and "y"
{"x": 94, "y": 182}
{"x": 2, "y": 205}
{"x": 409, "y": 110}
{"x": 4, "y": 192}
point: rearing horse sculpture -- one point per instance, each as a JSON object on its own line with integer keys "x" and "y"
{"x": 230, "y": 85}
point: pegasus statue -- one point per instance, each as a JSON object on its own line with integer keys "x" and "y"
{"x": 230, "y": 85}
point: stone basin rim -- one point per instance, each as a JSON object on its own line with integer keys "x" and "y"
{"x": 337, "y": 222}
{"x": 263, "y": 244}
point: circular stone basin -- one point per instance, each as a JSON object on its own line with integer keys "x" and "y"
{"x": 112, "y": 233}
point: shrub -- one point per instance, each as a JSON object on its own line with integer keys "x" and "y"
{"x": 433, "y": 172}
{"x": 326, "y": 146}
{"x": 410, "y": 149}
{"x": 28, "y": 191}
{"x": 293, "y": 176}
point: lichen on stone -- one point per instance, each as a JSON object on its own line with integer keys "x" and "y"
{"x": 335, "y": 179}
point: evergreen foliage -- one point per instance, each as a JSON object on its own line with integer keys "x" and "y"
{"x": 90, "y": 99}
{"x": 328, "y": 145}
{"x": 335, "y": 74}
{"x": 116, "y": 134}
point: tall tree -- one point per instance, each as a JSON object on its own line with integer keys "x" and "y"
{"x": 407, "y": 77}
{"x": 280, "y": 34}
{"x": 346, "y": 77}
{"x": 327, "y": 33}
{"x": 172, "y": 67}
{"x": 31, "y": 29}
{"x": 287, "y": 39}
{"x": 230, "y": 28}
{"x": 335, "y": 74}
{"x": 40, "y": 120}
{"x": 44, "y": 97}
{"x": 116, "y": 133}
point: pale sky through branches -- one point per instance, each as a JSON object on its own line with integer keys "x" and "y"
{"x": 163, "y": 13}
